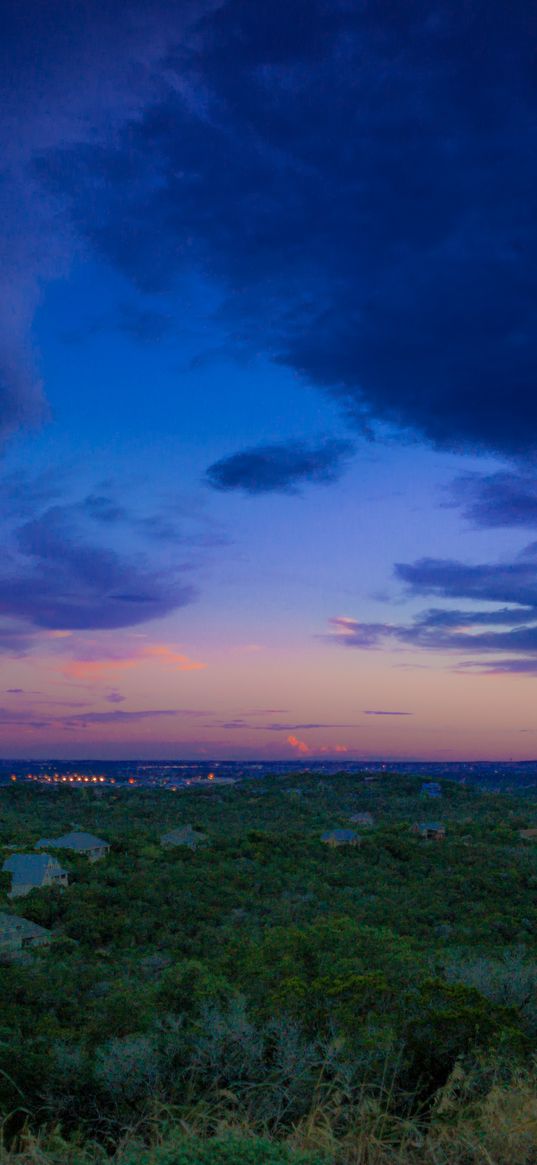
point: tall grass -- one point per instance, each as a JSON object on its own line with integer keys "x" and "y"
{"x": 476, "y": 1119}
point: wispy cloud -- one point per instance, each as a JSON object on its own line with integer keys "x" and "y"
{"x": 502, "y": 619}
{"x": 35, "y": 718}
{"x": 276, "y": 726}
{"x": 382, "y": 712}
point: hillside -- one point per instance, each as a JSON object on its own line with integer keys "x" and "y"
{"x": 309, "y": 994}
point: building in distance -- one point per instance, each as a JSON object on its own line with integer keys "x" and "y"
{"x": 31, "y": 871}
{"x": 362, "y": 819}
{"x": 431, "y": 830}
{"x": 19, "y": 934}
{"x": 92, "y": 847}
{"x": 335, "y": 837}
{"x": 186, "y": 835}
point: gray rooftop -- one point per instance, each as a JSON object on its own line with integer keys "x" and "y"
{"x": 13, "y": 926}
{"x": 30, "y": 869}
{"x": 77, "y": 840}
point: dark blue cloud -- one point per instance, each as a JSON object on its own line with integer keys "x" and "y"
{"x": 359, "y": 181}
{"x": 497, "y": 499}
{"x": 144, "y": 324}
{"x": 103, "y": 509}
{"x": 510, "y": 582}
{"x": 280, "y": 468}
{"x": 69, "y": 72}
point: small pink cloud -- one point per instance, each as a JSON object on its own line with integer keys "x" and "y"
{"x": 97, "y": 669}
{"x": 299, "y": 745}
{"x": 177, "y": 659}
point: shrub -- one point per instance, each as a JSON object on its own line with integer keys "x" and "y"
{"x": 227, "y": 1150}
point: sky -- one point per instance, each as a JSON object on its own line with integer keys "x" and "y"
{"x": 268, "y": 398}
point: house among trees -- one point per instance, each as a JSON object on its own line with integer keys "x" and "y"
{"x": 431, "y": 830}
{"x": 528, "y": 834}
{"x": 336, "y": 837}
{"x": 362, "y": 819}
{"x": 431, "y": 789}
{"x": 31, "y": 871}
{"x": 19, "y": 934}
{"x": 186, "y": 835}
{"x": 92, "y": 847}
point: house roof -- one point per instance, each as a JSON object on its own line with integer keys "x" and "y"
{"x": 339, "y": 835}
{"x": 12, "y": 926}
{"x": 30, "y": 869}
{"x": 77, "y": 840}
{"x": 434, "y": 826}
{"x": 362, "y": 818}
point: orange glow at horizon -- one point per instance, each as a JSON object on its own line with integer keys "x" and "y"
{"x": 300, "y": 745}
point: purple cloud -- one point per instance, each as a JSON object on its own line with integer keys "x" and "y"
{"x": 512, "y": 582}
{"x": 381, "y": 712}
{"x": 115, "y": 698}
{"x": 121, "y": 717}
{"x": 236, "y": 724}
{"x": 509, "y": 630}
{"x": 31, "y": 718}
{"x": 57, "y": 579}
{"x": 497, "y": 499}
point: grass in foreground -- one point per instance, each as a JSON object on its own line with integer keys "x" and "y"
{"x": 497, "y": 1128}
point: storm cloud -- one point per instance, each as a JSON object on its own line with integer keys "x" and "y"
{"x": 374, "y": 174}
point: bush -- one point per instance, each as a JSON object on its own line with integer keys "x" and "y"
{"x": 228, "y": 1150}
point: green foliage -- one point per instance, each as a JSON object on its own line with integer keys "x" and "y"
{"x": 265, "y": 971}
{"x": 230, "y": 1150}
{"x": 188, "y": 984}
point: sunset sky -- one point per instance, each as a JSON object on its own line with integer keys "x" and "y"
{"x": 268, "y": 398}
